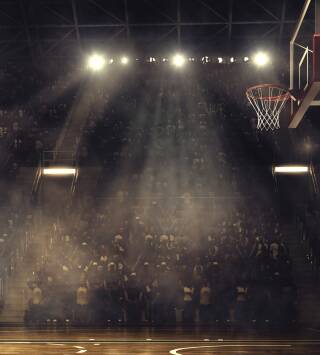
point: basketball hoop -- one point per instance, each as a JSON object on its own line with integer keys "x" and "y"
{"x": 268, "y": 101}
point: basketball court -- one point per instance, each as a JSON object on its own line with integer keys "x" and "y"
{"x": 270, "y": 101}
{"x": 152, "y": 341}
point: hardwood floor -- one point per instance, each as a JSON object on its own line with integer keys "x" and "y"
{"x": 151, "y": 342}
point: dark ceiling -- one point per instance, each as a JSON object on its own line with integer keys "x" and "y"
{"x": 63, "y": 27}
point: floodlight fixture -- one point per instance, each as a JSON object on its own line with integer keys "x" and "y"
{"x": 124, "y": 60}
{"x": 96, "y": 62}
{"x": 261, "y": 59}
{"x": 59, "y": 171}
{"x": 246, "y": 59}
{"x": 291, "y": 169}
{"x": 178, "y": 60}
{"x": 220, "y": 60}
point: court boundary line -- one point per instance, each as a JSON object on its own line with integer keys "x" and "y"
{"x": 217, "y": 342}
{"x": 177, "y": 351}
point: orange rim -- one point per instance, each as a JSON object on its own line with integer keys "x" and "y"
{"x": 280, "y": 97}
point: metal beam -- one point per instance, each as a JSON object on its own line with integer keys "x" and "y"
{"x": 12, "y": 41}
{"x": 26, "y": 28}
{"x": 126, "y": 17}
{"x": 9, "y": 17}
{"x": 76, "y": 22}
{"x": 105, "y": 11}
{"x": 230, "y": 17}
{"x": 151, "y": 24}
{"x": 293, "y": 39}
{"x": 300, "y": 20}
{"x": 179, "y": 22}
{"x": 270, "y": 30}
{"x": 283, "y": 18}
{"x": 266, "y": 10}
{"x": 166, "y": 34}
{"x": 150, "y": 3}
{"x": 211, "y": 9}
{"x": 57, "y": 14}
{"x": 56, "y": 43}
{"x": 212, "y": 36}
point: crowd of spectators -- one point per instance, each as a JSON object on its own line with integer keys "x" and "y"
{"x": 308, "y": 224}
{"x": 235, "y": 269}
{"x": 34, "y": 104}
{"x": 199, "y": 111}
{"x": 153, "y": 251}
{"x": 193, "y": 127}
{"x": 16, "y": 226}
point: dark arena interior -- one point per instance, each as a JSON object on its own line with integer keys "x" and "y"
{"x": 159, "y": 188}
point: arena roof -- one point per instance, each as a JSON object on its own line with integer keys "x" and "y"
{"x": 60, "y": 27}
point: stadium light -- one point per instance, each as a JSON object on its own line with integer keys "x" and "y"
{"x": 96, "y": 62}
{"x": 124, "y": 60}
{"x": 261, "y": 59}
{"x": 178, "y": 60}
{"x": 246, "y": 59}
{"x": 220, "y": 60}
{"x": 291, "y": 169}
{"x": 59, "y": 171}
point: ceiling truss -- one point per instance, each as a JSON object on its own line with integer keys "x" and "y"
{"x": 42, "y": 27}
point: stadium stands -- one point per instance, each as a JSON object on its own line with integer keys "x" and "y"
{"x": 178, "y": 229}
{"x": 183, "y": 224}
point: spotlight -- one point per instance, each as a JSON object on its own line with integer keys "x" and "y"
{"x": 261, "y": 59}
{"x": 124, "y": 60}
{"x": 178, "y": 60}
{"x": 246, "y": 59}
{"x": 220, "y": 60}
{"x": 291, "y": 169}
{"x": 96, "y": 62}
{"x": 232, "y": 60}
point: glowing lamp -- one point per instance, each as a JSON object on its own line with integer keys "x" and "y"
{"x": 261, "y": 59}
{"x": 96, "y": 62}
{"x": 59, "y": 171}
{"x": 124, "y": 60}
{"x": 178, "y": 60}
{"x": 291, "y": 169}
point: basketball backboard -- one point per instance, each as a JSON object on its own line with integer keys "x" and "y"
{"x": 305, "y": 62}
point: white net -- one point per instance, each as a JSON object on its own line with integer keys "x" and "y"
{"x": 268, "y": 101}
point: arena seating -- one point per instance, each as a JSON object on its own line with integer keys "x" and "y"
{"x": 149, "y": 247}
{"x": 237, "y": 270}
